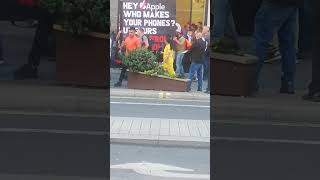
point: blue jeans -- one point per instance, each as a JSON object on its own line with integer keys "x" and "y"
{"x": 193, "y": 68}
{"x": 270, "y": 19}
{"x": 206, "y": 68}
{"x": 305, "y": 18}
{"x": 223, "y": 22}
{"x": 179, "y": 65}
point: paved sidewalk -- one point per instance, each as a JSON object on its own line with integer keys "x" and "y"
{"x": 39, "y": 96}
{"x": 154, "y": 131}
{"x": 267, "y": 107}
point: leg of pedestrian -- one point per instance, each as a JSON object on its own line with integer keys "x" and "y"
{"x": 199, "y": 75}
{"x": 264, "y": 30}
{"x": 286, "y": 36}
{"x": 191, "y": 74}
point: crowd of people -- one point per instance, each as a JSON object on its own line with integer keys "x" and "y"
{"x": 289, "y": 21}
{"x": 184, "y": 52}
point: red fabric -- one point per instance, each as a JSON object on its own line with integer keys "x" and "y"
{"x": 30, "y": 3}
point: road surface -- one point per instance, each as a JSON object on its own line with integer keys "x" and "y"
{"x": 195, "y": 159}
{"x": 264, "y": 152}
{"x": 52, "y": 146}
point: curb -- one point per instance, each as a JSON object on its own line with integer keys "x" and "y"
{"x": 158, "y": 142}
{"x": 271, "y": 109}
{"x": 158, "y": 94}
{"x": 50, "y": 98}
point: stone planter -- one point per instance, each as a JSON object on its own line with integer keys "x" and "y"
{"x": 81, "y": 60}
{"x": 158, "y": 83}
{"x": 233, "y": 75}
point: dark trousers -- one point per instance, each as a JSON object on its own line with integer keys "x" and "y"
{"x": 40, "y": 41}
{"x": 11, "y": 11}
{"x": 123, "y": 73}
{"x": 315, "y": 84}
{"x": 305, "y": 23}
{"x": 270, "y": 19}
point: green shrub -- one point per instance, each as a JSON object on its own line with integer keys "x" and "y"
{"x": 80, "y": 16}
{"x": 141, "y": 60}
{"x": 226, "y": 45}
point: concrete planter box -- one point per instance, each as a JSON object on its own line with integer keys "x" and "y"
{"x": 233, "y": 75}
{"x": 158, "y": 83}
{"x": 81, "y": 60}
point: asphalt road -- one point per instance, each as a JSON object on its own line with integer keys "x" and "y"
{"x": 53, "y": 146}
{"x": 264, "y": 152}
{"x": 160, "y": 108}
{"x": 196, "y": 159}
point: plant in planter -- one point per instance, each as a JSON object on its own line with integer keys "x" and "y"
{"x": 226, "y": 45}
{"x": 81, "y": 40}
{"x": 146, "y": 73}
{"x": 80, "y": 16}
{"x": 141, "y": 60}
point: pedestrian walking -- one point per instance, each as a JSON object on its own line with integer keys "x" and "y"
{"x": 30, "y": 9}
{"x": 168, "y": 56}
{"x": 180, "y": 48}
{"x": 130, "y": 43}
{"x": 278, "y": 16}
{"x": 313, "y": 93}
{"x": 198, "y": 56}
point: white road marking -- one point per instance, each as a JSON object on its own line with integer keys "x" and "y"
{"x": 42, "y": 177}
{"x": 170, "y": 99}
{"x": 286, "y": 124}
{"x": 79, "y": 115}
{"x": 160, "y": 170}
{"x": 264, "y": 140}
{"x": 157, "y": 104}
{"x": 52, "y": 131}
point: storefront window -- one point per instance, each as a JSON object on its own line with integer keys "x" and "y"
{"x": 198, "y": 8}
{"x": 183, "y": 11}
{"x": 193, "y": 11}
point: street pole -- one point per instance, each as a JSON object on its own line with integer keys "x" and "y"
{"x": 119, "y": 25}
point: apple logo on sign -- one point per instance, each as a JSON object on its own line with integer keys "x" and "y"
{"x": 143, "y": 5}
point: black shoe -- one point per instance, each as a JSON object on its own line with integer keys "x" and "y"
{"x": 287, "y": 88}
{"x": 199, "y": 89}
{"x": 315, "y": 97}
{"x": 118, "y": 84}
{"x": 26, "y": 72}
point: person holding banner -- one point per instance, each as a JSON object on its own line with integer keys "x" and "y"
{"x": 130, "y": 43}
{"x": 143, "y": 38}
{"x": 180, "y": 48}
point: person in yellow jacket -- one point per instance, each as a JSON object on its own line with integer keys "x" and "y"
{"x": 168, "y": 56}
